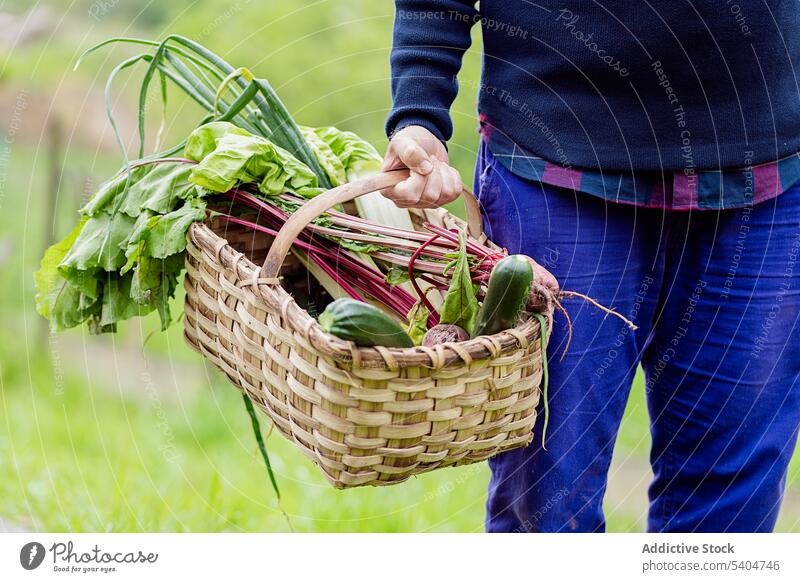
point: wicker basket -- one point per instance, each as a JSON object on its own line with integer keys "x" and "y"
{"x": 366, "y": 416}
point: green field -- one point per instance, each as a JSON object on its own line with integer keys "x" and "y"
{"x": 134, "y": 432}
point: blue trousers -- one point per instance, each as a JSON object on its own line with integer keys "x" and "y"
{"x": 716, "y": 297}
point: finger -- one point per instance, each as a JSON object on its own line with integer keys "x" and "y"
{"x": 459, "y": 184}
{"x": 448, "y": 193}
{"x": 409, "y": 191}
{"x": 433, "y": 188}
{"x": 412, "y": 155}
{"x": 390, "y": 160}
{"x": 412, "y": 192}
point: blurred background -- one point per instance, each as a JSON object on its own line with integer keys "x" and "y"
{"x": 133, "y": 431}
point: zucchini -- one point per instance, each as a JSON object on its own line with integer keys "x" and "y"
{"x": 363, "y": 324}
{"x": 509, "y": 288}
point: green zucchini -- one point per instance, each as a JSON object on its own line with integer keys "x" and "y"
{"x": 509, "y": 287}
{"x": 363, "y": 324}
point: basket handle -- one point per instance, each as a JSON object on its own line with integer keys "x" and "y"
{"x": 344, "y": 193}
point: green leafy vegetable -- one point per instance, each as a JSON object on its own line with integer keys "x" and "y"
{"x": 397, "y": 276}
{"x": 203, "y": 140}
{"x": 52, "y": 286}
{"x": 240, "y": 157}
{"x": 418, "y": 322}
{"x": 101, "y": 244}
{"x": 165, "y": 234}
{"x": 332, "y": 165}
{"x": 126, "y": 254}
{"x": 118, "y": 304}
{"x": 358, "y": 246}
{"x": 460, "y": 304}
{"x": 359, "y": 157}
{"x": 159, "y": 189}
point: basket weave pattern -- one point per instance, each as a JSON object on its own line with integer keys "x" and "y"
{"x": 366, "y": 416}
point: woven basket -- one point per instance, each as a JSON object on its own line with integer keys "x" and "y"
{"x": 366, "y": 416}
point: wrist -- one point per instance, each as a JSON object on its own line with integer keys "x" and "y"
{"x": 415, "y": 121}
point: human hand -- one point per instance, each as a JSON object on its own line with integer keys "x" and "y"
{"x": 432, "y": 182}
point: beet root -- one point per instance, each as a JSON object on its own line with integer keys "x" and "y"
{"x": 443, "y": 333}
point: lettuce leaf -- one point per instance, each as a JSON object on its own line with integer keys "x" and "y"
{"x": 358, "y": 156}
{"x": 333, "y": 166}
{"x": 203, "y": 140}
{"x": 239, "y": 158}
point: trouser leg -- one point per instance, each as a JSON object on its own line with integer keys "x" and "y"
{"x": 722, "y": 372}
{"x": 609, "y": 252}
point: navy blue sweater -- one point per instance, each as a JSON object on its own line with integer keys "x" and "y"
{"x": 618, "y": 85}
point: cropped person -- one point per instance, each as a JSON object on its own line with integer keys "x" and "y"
{"x": 646, "y": 155}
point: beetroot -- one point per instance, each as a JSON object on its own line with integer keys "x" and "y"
{"x": 443, "y": 333}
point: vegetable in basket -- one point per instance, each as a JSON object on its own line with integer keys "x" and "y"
{"x": 508, "y": 292}
{"x": 443, "y": 333}
{"x": 460, "y": 304}
{"x": 125, "y": 256}
{"x": 127, "y": 251}
{"x": 509, "y": 288}
{"x": 363, "y": 324}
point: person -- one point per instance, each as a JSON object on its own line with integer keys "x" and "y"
{"x": 646, "y": 155}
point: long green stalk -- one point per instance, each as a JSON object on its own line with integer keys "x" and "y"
{"x": 278, "y": 125}
{"x": 148, "y": 75}
{"x": 545, "y": 379}
{"x": 145, "y": 42}
{"x": 195, "y": 87}
{"x": 248, "y": 404}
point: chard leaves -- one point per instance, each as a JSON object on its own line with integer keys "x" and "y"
{"x": 50, "y": 284}
{"x": 418, "y": 322}
{"x": 126, "y": 254}
{"x": 460, "y": 304}
{"x": 397, "y": 276}
{"x": 165, "y": 235}
{"x": 159, "y": 189}
{"x": 100, "y": 244}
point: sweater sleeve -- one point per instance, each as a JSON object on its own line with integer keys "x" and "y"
{"x": 429, "y": 41}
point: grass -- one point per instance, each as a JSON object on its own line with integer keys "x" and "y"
{"x": 83, "y": 457}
